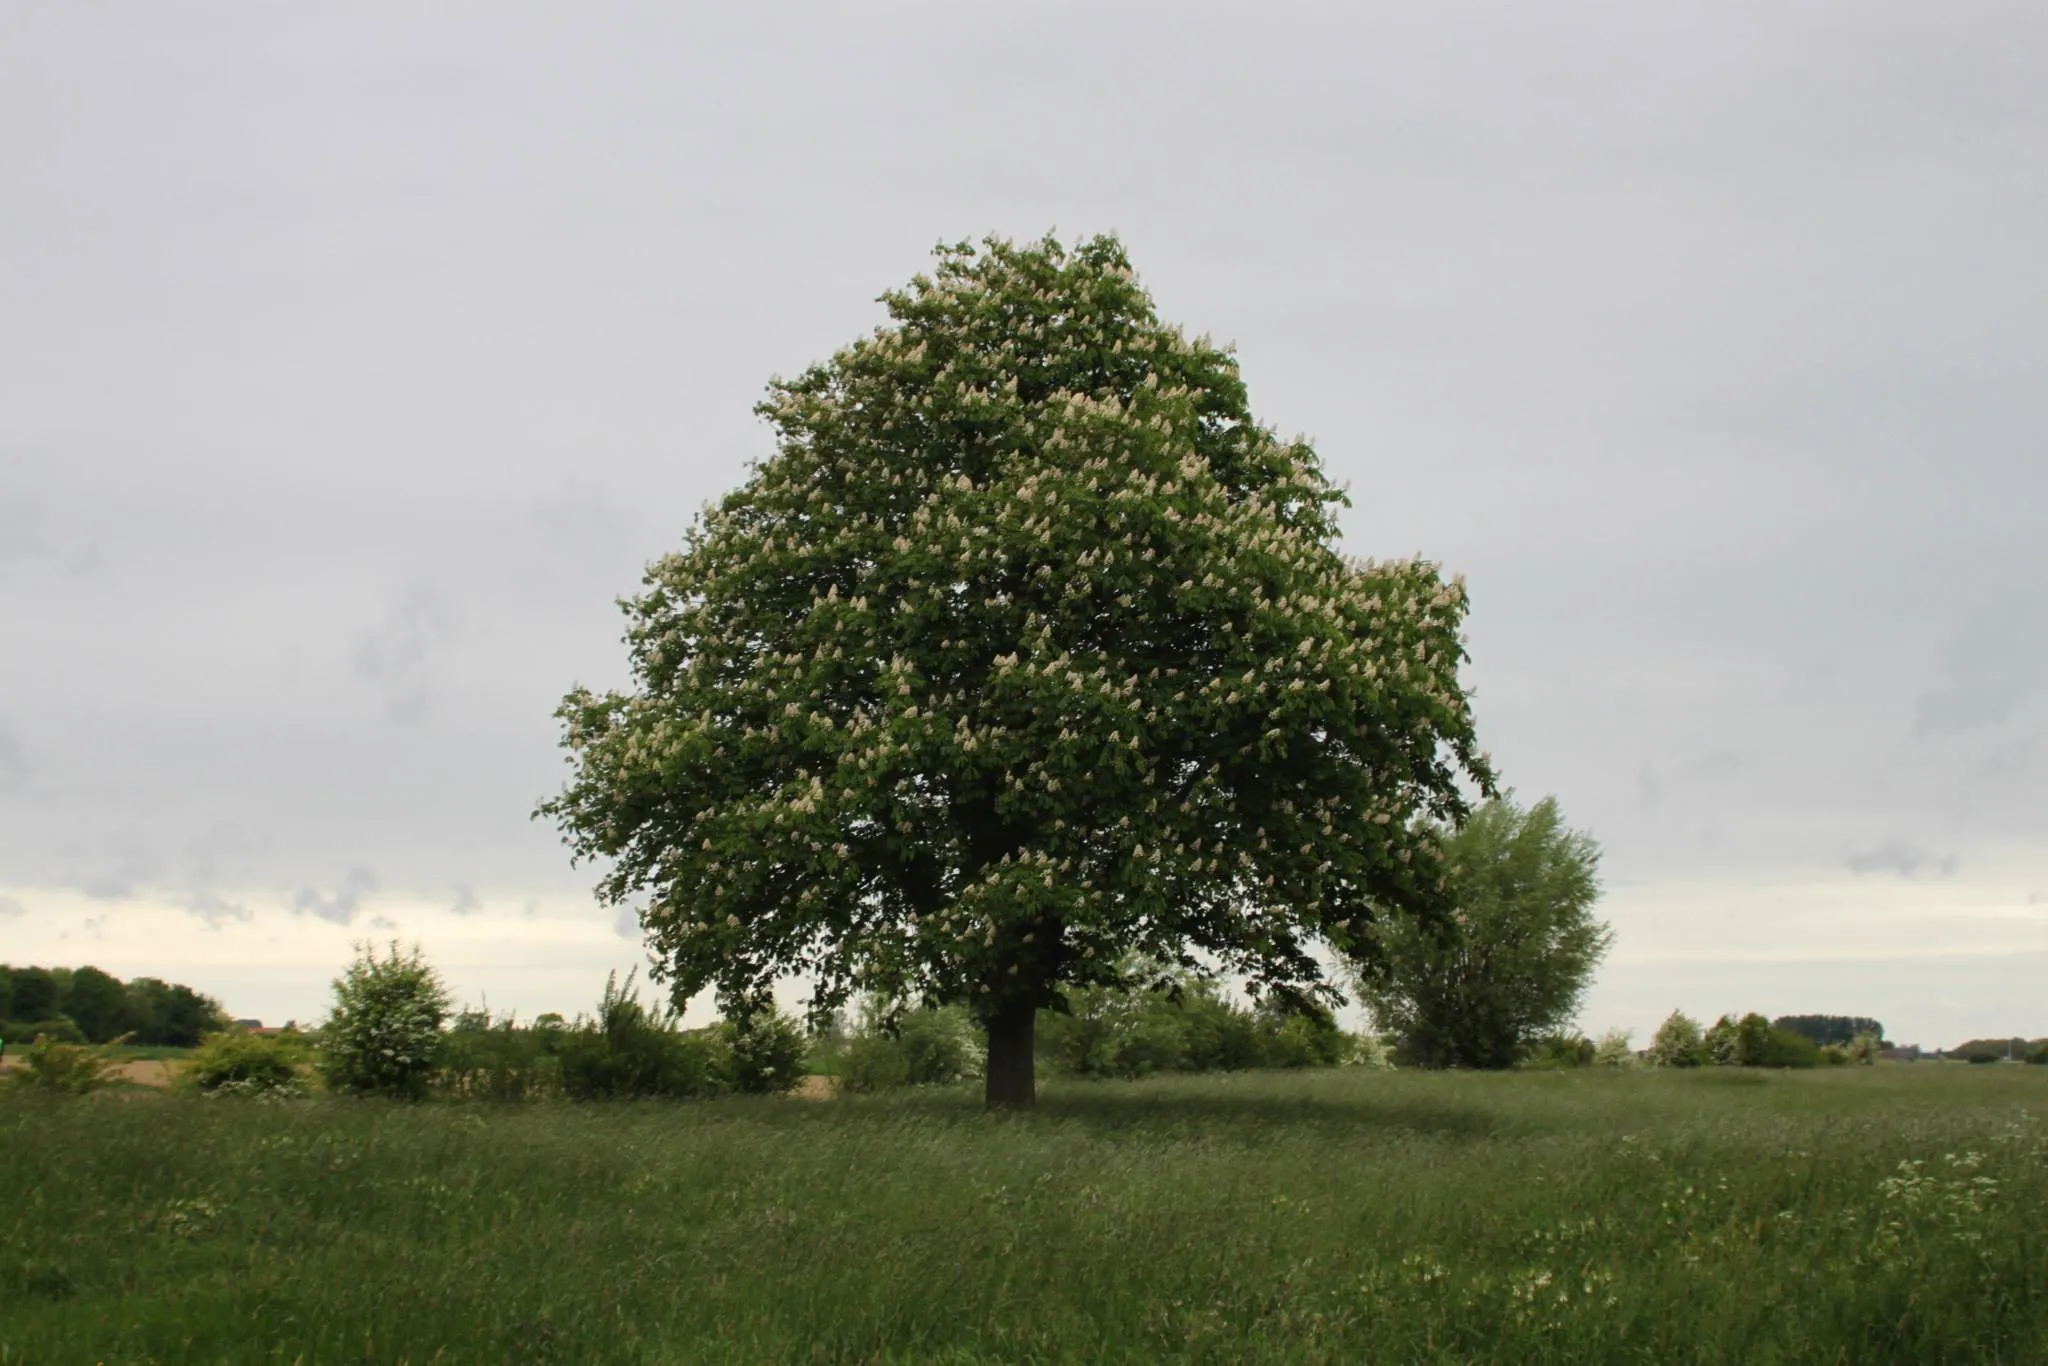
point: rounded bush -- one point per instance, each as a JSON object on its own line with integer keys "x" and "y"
{"x": 764, "y": 1054}
{"x": 383, "y": 1036}
{"x": 236, "y": 1064}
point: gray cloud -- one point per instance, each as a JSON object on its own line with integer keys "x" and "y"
{"x": 212, "y": 908}
{"x": 626, "y": 924}
{"x": 1897, "y": 856}
{"x": 117, "y": 865}
{"x": 26, "y": 543}
{"x": 221, "y": 853}
{"x": 1654, "y": 786}
{"x": 340, "y": 906}
{"x": 581, "y": 522}
{"x": 2037, "y": 898}
{"x": 10, "y": 908}
{"x": 395, "y": 654}
{"x": 1985, "y": 676}
{"x": 15, "y": 769}
{"x": 465, "y": 901}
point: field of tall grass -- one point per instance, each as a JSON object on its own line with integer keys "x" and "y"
{"x": 1858, "y": 1215}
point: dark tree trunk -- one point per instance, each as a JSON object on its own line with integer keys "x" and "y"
{"x": 1012, "y": 1082}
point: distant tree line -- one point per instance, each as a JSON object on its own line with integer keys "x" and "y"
{"x": 1836, "y": 1029}
{"x": 1754, "y": 1041}
{"x": 2015, "y": 1049}
{"x": 90, "y": 1006}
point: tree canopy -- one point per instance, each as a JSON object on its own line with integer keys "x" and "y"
{"x": 101, "y": 1007}
{"x": 1831, "y": 1029}
{"x": 1515, "y": 961}
{"x": 1026, "y": 650}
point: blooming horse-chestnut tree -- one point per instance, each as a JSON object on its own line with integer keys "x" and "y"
{"x": 1026, "y": 652}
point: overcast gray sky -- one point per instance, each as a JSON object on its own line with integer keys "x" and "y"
{"x": 354, "y": 358}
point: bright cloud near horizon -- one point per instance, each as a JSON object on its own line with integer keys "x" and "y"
{"x": 354, "y": 359}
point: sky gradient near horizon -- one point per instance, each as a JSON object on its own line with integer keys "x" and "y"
{"x": 354, "y": 359}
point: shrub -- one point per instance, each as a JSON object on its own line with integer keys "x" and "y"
{"x": 1613, "y": 1050}
{"x": 1153, "y": 1038}
{"x": 1217, "y": 1035}
{"x": 928, "y": 1046}
{"x": 1722, "y": 1043}
{"x": 1677, "y": 1042}
{"x": 941, "y": 1045}
{"x": 630, "y": 1051}
{"x": 2039, "y": 1055}
{"x": 1300, "y": 1034}
{"x": 383, "y": 1034}
{"x": 1183, "y": 1023}
{"x": 1370, "y": 1050}
{"x": 67, "y": 1069}
{"x": 764, "y": 1053}
{"x": 1784, "y": 1048}
{"x": 237, "y": 1064}
{"x": 486, "y": 1059}
{"x": 1864, "y": 1049}
{"x": 1084, "y": 1039}
{"x": 1834, "y": 1055}
{"x": 1561, "y": 1051}
{"x": 873, "y": 1062}
{"x": 57, "y": 1029}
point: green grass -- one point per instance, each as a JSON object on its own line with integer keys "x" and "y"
{"x": 1344, "y": 1216}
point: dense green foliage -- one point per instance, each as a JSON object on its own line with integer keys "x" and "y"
{"x": 1612, "y": 1049}
{"x": 1889, "y": 1216}
{"x": 62, "y": 1029}
{"x": 28, "y": 993}
{"x": 98, "y": 1002}
{"x": 763, "y": 1053}
{"x": 481, "y": 1058}
{"x": 1678, "y": 1042}
{"x": 1026, "y": 648}
{"x": 1827, "y": 1029}
{"x": 233, "y": 1063}
{"x": 626, "y": 1050}
{"x": 926, "y": 1046}
{"x": 382, "y": 1036}
{"x": 632, "y": 1051}
{"x": 88, "y": 1005}
{"x": 1994, "y": 1050}
{"x": 1513, "y": 963}
{"x": 1182, "y": 1022}
{"x": 1745, "y": 1041}
{"x": 1186, "y": 1025}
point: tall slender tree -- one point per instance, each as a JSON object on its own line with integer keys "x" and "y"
{"x": 1514, "y": 962}
{"x": 1027, "y": 648}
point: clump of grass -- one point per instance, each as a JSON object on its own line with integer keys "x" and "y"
{"x": 1878, "y": 1215}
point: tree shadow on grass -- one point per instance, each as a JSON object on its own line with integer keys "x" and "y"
{"x": 1244, "y": 1112}
{"x": 1109, "y": 1108}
